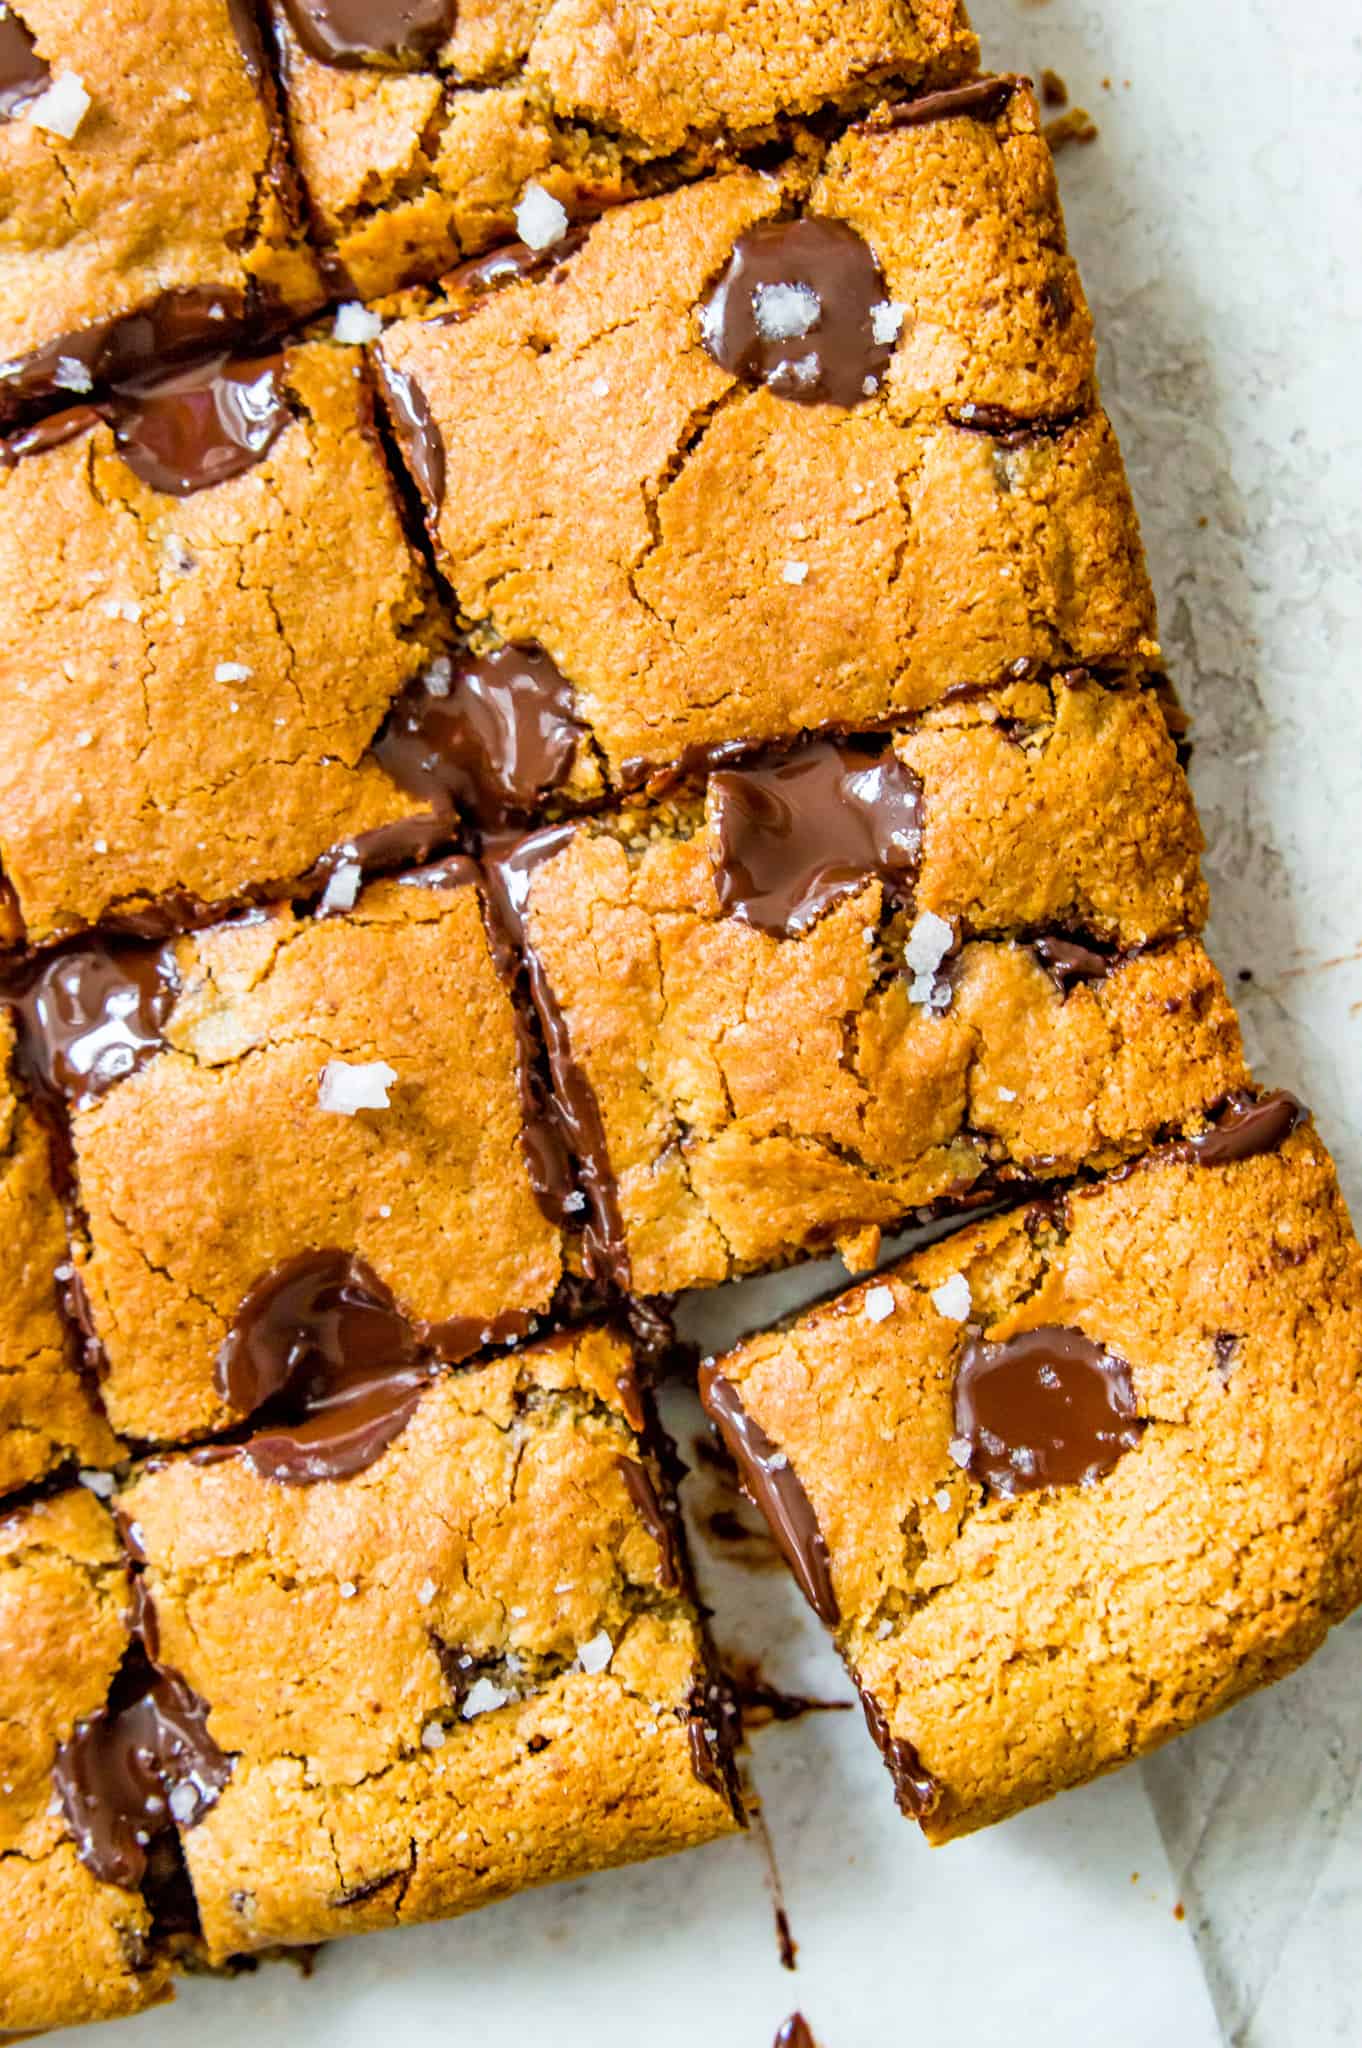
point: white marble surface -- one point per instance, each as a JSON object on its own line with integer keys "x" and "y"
{"x": 1218, "y": 220}
{"x": 1219, "y": 223}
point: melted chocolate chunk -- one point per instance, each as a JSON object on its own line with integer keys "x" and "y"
{"x": 493, "y": 738}
{"x": 639, "y": 1486}
{"x": 796, "y": 837}
{"x": 1067, "y": 963}
{"x": 1245, "y": 1127}
{"x": 985, "y": 99}
{"x": 91, "y": 1016}
{"x": 134, "y": 1772}
{"x": 792, "y": 310}
{"x": 24, "y": 77}
{"x": 421, "y": 440}
{"x": 568, "y": 1125}
{"x": 794, "y": 2033}
{"x": 771, "y": 1481}
{"x": 915, "y": 1789}
{"x": 49, "y": 433}
{"x": 172, "y": 328}
{"x": 1047, "y": 1407}
{"x": 321, "y": 1336}
{"x": 391, "y": 34}
{"x": 511, "y": 264}
{"x": 186, "y": 432}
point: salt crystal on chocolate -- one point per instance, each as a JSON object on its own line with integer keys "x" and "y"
{"x": 785, "y": 312}
{"x": 483, "y": 1698}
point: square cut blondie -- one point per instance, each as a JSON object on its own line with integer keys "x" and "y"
{"x": 762, "y": 455}
{"x": 418, "y": 127}
{"x": 186, "y": 704}
{"x": 468, "y": 1666}
{"x": 284, "y": 1120}
{"x": 1076, "y": 1478}
{"x": 73, "y": 1946}
{"x": 147, "y": 202}
{"x": 861, "y": 980}
{"x": 48, "y": 1417}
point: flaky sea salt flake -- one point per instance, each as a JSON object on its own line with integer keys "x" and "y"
{"x": 432, "y": 1736}
{"x": 355, "y": 324}
{"x": 72, "y": 375}
{"x": 795, "y": 572}
{"x": 952, "y": 1298}
{"x": 342, "y": 889}
{"x": 879, "y": 1304}
{"x": 483, "y": 1698}
{"x": 785, "y": 312}
{"x": 347, "y": 1087}
{"x": 595, "y": 1655}
{"x": 886, "y": 320}
{"x": 61, "y": 109}
{"x": 540, "y": 219}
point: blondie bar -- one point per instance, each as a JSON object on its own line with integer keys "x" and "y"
{"x": 859, "y": 981}
{"x": 1078, "y": 1477}
{"x": 296, "y": 1124}
{"x": 75, "y": 1944}
{"x": 788, "y": 449}
{"x": 185, "y": 705}
{"x": 468, "y": 1666}
{"x": 149, "y": 210}
{"x": 424, "y": 132}
{"x": 48, "y": 1416}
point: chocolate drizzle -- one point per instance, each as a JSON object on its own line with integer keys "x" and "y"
{"x": 915, "y": 1789}
{"x": 420, "y": 439}
{"x": 792, "y": 309}
{"x": 772, "y": 1483}
{"x": 984, "y": 99}
{"x": 91, "y": 1016}
{"x": 388, "y": 34}
{"x": 795, "y": 837}
{"x": 24, "y": 77}
{"x": 494, "y": 736}
{"x": 1047, "y": 1407}
{"x": 564, "y": 1125}
{"x": 638, "y": 1483}
{"x": 323, "y": 1340}
{"x": 200, "y": 426}
{"x": 1245, "y": 1127}
{"x": 1068, "y": 963}
{"x": 794, "y": 2033}
{"x": 142, "y": 1766}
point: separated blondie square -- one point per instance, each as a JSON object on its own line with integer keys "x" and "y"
{"x": 185, "y": 706}
{"x": 425, "y": 132}
{"x": 463, "y": 1663}
{"x": 859, "y": 981}
{"x": 296, "y": 1117}
{"x": 149, "y": 208}
{"x": 77, "y": 1935}
{"x": 786, "y": 449}
{"x": 1076, "y": 1478}
{"x": 49, "y": 1416}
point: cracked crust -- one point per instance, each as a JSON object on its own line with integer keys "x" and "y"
{"x": 762, "y": 1096}
{"x": 1025, "y": 1645}
{"x": 614, "y": 494}
{"x": 499, "y": 1525}
{"x": 407, "y": 172}
{"x": 71, "y": 1948}
{"x": 128, "y": 770}
{"x": 46, "y": 1415}
{"x": 215, "y": 1162}
{"x": 171, "y": 182}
